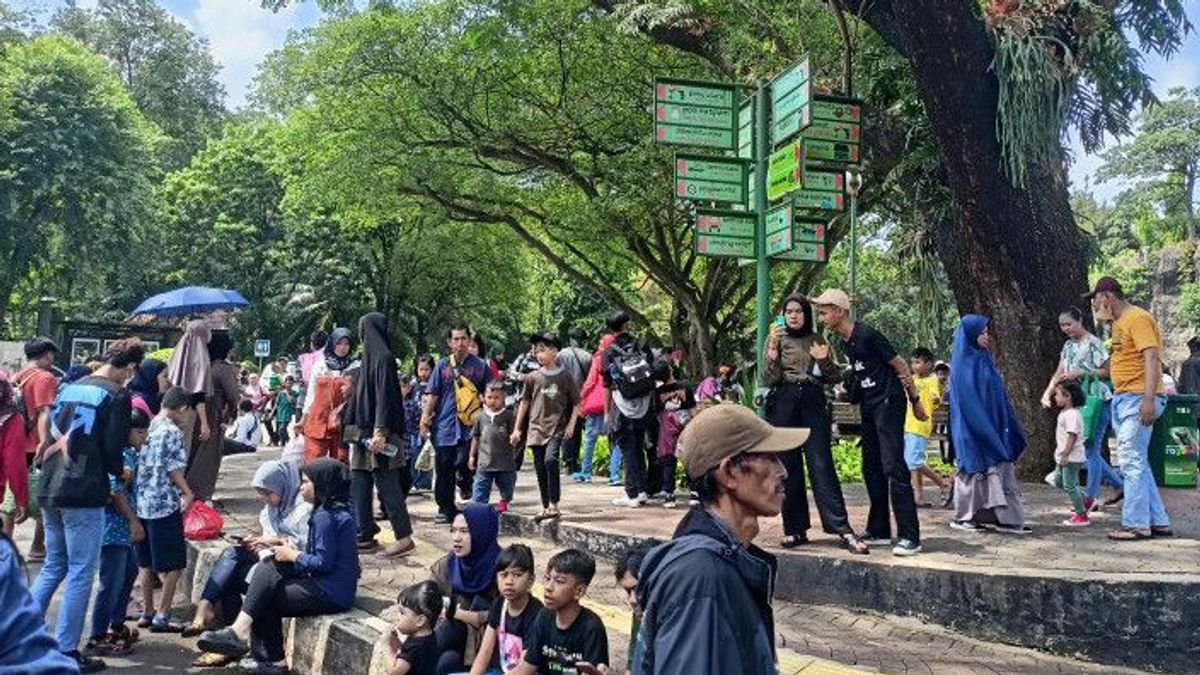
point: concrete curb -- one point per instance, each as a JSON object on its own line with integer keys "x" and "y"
{"x": 1142, "y": 624}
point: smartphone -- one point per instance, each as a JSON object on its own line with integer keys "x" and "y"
{"x": 779, "y": 321}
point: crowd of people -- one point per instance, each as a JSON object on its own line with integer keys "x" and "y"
{"x": 111, "y": 463}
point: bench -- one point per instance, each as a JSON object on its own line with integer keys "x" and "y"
{"x": 847, "y": 421}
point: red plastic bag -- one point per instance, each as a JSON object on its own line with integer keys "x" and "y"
{"x": 202, "y": 522}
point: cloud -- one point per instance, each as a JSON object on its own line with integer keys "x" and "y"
{"x": 241, "y": 33}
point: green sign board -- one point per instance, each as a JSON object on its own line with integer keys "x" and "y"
{"x": 700, "y": 114}
{"x": 828, "y": 181}
{"x": 720, "y": 179}
{"x": 725, "y": 223}
{"x": 837, "y": 109}
{"x": 791, "y": 93}
{"x": 822, "y": 201}
{"x": 804, "y": 251}
{"x": 784, "y": 170}
{"x": 832, "y": 151}
{"x": 809, "y": 230}
{"x": 726, "y": 247}
{"x": 847, "y": 132}
{"x": 745, "y": 147}
{"x": 779, "y": 242}
{"x": 779, "y": 218}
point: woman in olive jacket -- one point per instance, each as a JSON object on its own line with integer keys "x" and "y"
{"x": 799, "y": 366}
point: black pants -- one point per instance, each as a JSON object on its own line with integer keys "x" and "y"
{"x": 570, "y": 448}
{"x": 667, "y": 467}
{"x": 271, "y": 597}
{"x": 630, "y": 436}
{"x": 654, "y": 474}
{"x": 451, "y": 639}
{"x": 452, "y": 471}
{"x": 885, "y": 471}
{"x": 805, "y": 406}
{"x": 391, "y": 495}
{"x": 545, "y": 464}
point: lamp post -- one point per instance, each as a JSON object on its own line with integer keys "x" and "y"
{"x": 853, "y": 186}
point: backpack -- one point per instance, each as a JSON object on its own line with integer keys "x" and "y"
{"x": 630, "y": 371}
{"x": 466, "y": 397}
{"x": 19, "y": 403}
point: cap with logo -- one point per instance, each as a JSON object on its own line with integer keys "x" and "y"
{"x": 727, "y": 430}
{"x": 835, "y": 297}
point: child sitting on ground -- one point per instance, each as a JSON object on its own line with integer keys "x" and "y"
{"x": 492, "y": 456}
{"x": 512, "y": 614}
{"x": 566, "y": 637}
{"x": 162, "y": 497}
{"x": 118, "y": 557}
{"x": 1069, "y": 455}
{"x": 410, "y": 648}
{"x": 917, "y": 432}
{"x": 247, "y": 428}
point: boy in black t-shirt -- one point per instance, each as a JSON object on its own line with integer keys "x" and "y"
{"x": 512, "y": 616}
{"x": 567, "y": 638}
{"x": 887, "y": 389}
{"x": 410, "y": 647}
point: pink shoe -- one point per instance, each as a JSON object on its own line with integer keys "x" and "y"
{"x": 1077, "y": 520}
{"x": 501, "y": 506}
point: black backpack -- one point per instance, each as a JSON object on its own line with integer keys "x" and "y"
{"x": 630, "y": 371}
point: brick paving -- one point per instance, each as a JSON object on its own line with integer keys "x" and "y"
{"x": 865, "y": 640}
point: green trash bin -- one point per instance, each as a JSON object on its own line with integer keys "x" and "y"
{"x": 1174, "y": 442}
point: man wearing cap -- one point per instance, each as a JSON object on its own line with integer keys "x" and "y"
{"x": 1136, "y": 373}
{"x": 38, "y": 386}
{"x": 883, "y": 383}
{"x": 707, "y": 592}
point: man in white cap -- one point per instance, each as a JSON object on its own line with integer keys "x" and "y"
{"x": 884, "y": 390}
{"x": 707, "y": 592}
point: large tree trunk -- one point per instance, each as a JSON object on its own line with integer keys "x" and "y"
{"x": 1014, "y": 255}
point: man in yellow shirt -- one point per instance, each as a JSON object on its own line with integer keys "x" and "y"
{"x": 1136, "y": 373}
{"x": 918, "y": 431}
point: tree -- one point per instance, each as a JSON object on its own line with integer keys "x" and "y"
{"x": 75, "y": 163}
{"x": 167, "y": 69}
{"x": 1164, "y": 158}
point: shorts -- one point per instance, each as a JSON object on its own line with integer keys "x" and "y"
{"x": 10, "y": 502}
{"x": 915, "y": 447}
{"x": 163, "y": 550}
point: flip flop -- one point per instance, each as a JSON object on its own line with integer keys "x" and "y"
{"x": 213, "y": 660}
{"x": 1128, "y": 534}
{"x": 855, "y": 545}
{"x": 388, "y": 554}
{"x": 193, "y": 630}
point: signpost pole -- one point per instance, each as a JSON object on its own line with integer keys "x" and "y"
{"x": 853, "y": 185}
{"x": 762, "y": 267}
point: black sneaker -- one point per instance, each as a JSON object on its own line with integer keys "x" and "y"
{"x": 87, "y": 664}
{"x": 1013, "y": 529}
{"x": 905, "y": 548}
{"x": 224, "y": 642}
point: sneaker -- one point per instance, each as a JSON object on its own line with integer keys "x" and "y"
{"x": 616, "y": 483}
{"x": 584, "y": 478}
{"x": 87, "y": 664}
{"x": 1077, "y": 520}
{"x": 657, "y": 498}
{"x": 261, "y": 667}
{"x": 693, "y": 499}
{"x": 905, "y": 548}
{"x": 224, "y": 642}
{"x": 966, "y": 526}
{"x": 630, "y": 502}
{"x": 501, "y": 506}
{"x": 1012, "y": 529}
{"x": 669, "y": 502}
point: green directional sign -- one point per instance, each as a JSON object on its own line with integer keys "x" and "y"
{"x": 745, "y": 147}
{"x": 837, "y": 109}
{"x": 832, "y": 151}
{"x": 816, "y": 200}
{"x": 779, "y": 242}
{"x": 779, "y": 218}
{"x": 784, "y": 170}
{"x": 725, "y": 223}
{"x": 847, "y": 132}
{"x": 791, "y": 93}
{"x": 700, "y": 178}
{"x": 827, "y": 181}
{"x": 700, "y": 114}
{"x": 782, "y": 106}
{"x": 804, "y": 251}
{"x": 809, "y": 230}
{"x": 725, "y": 247}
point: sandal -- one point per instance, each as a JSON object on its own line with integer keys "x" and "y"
{"x": 145, "y": 621}
{"x": 120, "y": 646}
{"x": 390, "y": 553}
{"x": 855, "y": 544}
{"x": 194, "y": 630}
{"x": 213, "y": 660}
{"x": 125, "y": 632}
{"x": 793, "y": 540}
{"x": 1161, "y": 532}
{"x": 1128, "y": 534}
{"x": 97, "y": 645}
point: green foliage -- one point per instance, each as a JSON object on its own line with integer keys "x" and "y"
{"x": 1034, "y": 97}
{"x": 847, "y": 459}
{"x": 1189, "y": 305}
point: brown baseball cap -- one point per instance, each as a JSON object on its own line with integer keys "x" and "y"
{"x": 730, "y": 429}
{"x": 833, "y": 296}
{"x": 1104, "y": 285}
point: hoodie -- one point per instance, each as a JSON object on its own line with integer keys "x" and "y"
{"x": 708, "y": 603}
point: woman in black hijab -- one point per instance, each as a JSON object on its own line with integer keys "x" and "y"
{"x": 798, "y": 367}
{"x": 147, "y": 384}
{"x": 376, "y": 411}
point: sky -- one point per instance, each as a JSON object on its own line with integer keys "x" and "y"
{"x": 241, "y": 33}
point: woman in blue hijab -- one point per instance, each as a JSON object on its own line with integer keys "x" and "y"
{"x": 468, "y": 575}
{"x": 987, "y": 436}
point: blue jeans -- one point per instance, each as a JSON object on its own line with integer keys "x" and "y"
{"x": 1098, "y": 470}
{"x": 72, "y": 553}
{"x": 227, "y": 581}
{"x": 1143, "y": 507}
{"x": 593, "y": 427}
{"x": 481, "y": 491}
{"x": 118, "y": 569}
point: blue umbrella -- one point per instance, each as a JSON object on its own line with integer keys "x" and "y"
{"x": 191, "y": 300}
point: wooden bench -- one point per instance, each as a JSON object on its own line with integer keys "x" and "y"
{"x": 847, "y": 421}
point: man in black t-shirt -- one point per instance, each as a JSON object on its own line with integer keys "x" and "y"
{"x": 567, "y": 638}
{"x": 884, "y": 384}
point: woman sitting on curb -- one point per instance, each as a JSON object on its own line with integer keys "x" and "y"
{"x": 322, "y": 580}
{"x": 284, "y": 521}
